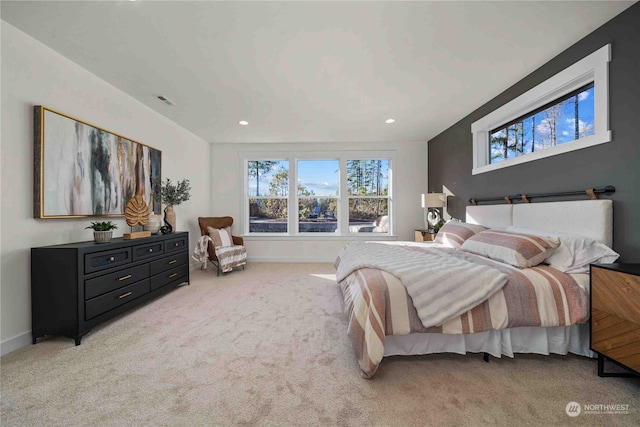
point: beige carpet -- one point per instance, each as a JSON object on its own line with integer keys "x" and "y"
{"x": 267, "y": 347}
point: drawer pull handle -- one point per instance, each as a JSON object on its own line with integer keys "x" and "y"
{"x": 125, "y": 295}
{"x": 177, "y": 244}
{"x": 173, "y": 261}
{"x": 173, "y": 275}
{"x": 150, "y": 250}
{"x": 124, "y": 278}
{"x": 112, "y": 259}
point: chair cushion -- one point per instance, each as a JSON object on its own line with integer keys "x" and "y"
{"x": 221, "y": 236}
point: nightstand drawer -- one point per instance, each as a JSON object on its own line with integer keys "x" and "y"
{"x": 424, "y": 236}
{"x": 113, "y": 281}
{"x": 96, "y": 306}
{"x": 615, "y": 313}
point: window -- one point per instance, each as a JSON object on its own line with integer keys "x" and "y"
{"x": 564, "y": 120}
{"x": 368, "y": 187}
{"x": 318, "y": 195}
{"x": 567, "y": 112}
{"x": 268, "y": 190}
{"x": 308, "y": 194}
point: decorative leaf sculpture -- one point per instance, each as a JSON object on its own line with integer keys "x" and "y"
{"x": 137, "y": 211}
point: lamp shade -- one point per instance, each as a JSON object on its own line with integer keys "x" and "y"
{"x": 433, "y": 200}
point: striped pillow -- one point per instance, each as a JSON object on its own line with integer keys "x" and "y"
{"x": 518, "y": 249}
{"x": 454, "y": 233}
{"x": 221, "y": 236}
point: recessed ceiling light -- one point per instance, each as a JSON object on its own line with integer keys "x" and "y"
{"x": 389, "y": 121}
{"x": 243, "y": 122}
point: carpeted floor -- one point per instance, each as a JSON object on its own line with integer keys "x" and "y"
{"x": 267, "y": 347}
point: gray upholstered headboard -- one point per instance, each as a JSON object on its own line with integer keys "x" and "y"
{"x": 589, "y": 218}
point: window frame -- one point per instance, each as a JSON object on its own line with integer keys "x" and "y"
{"x": 593, "y": 68}
{"x": 342, "y": 230}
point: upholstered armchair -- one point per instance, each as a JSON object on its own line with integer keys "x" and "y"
{"x": 237, "y": 255}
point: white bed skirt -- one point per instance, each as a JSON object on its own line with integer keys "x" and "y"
{"x": 554, "y": 340}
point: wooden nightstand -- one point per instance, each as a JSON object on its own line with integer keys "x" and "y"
{"x": 615, "y": 315}
{"x": 422, "y": 235}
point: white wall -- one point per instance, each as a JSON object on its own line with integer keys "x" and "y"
{"x": 226, "y": 168}
{"x": 33, "y": 74}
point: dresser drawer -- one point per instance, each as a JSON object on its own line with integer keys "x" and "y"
{"x": 169, "y": 276}
{"x": 168, "y": 262}
{"x": 106, "y": 302}
{"x": 113, "y": 281}
{"x": 176, "y": 244}
{"x": 97, "y": 261}
{"x": 147, "y": 251}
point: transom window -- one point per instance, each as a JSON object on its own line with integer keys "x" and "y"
{"x": 310, "y": 194}
{"x": 564, "y": 120}
{"x": 566, "y": 112}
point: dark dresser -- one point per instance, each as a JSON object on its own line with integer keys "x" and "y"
{"x": 77, "y": 286}
{"x": 615, "y": 315}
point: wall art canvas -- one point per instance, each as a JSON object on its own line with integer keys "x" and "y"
{"x": 83, "y": 170}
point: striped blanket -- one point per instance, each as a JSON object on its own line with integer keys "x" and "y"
{"x": 441, "y": 287}
{"x": 377, "y": 304}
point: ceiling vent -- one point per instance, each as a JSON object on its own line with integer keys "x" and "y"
{"x": 164, "y": 99}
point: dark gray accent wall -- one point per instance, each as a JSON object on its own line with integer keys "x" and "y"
{"x": 615, "y": 163}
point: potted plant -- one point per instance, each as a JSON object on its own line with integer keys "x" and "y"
{"x": 171, "y": 195}
{"x": 438, "y": 226}
{"x": 102, "y": 231}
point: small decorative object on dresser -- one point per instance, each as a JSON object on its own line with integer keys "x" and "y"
{"x": 171, "y": 195}
{"x": 615, "y": 315}
{"x": 153, "y": 225}
{"x": 77, "y": 286}
{"x": 137, "y": 212}
{"x": 102, "y": 231}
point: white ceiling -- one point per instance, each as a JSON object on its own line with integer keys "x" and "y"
{"x": 311, "y": 71}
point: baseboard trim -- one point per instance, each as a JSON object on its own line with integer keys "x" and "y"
{"x": 12, "y": 344}
{"x": 279, "y": 259}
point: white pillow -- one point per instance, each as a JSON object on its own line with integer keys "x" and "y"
{"x": 575, "y": 253}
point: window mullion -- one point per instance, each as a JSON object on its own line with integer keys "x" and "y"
{"x": 293, "y": 196}
{"x": 343, "y": 200}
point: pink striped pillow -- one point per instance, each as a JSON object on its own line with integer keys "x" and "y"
{"x": 453, "y": 233}
{"x": 518, "y": 249}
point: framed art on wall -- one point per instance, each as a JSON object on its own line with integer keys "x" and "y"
{"x": 83, "y": 170}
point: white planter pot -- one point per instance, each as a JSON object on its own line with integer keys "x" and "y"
{"x": 102, "y": 236}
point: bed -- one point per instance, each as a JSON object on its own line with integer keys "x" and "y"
{"x": 408, "y": 298}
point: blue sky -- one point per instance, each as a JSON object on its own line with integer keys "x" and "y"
{"x": 565, "y": 127}
{"x": 320, "y": 176}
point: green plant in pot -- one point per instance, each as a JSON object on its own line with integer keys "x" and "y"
{"x": 438, "y": 226}
{"x": 102, "y": 230}
{"x": 171, "y": 195}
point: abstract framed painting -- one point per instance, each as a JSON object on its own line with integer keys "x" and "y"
{"x": 82, "y": 170}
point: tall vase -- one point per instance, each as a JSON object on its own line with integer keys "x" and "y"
{"x": 170, "y": 219}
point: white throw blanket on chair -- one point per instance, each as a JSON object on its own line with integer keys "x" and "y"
{"x": 200, "y": 252}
